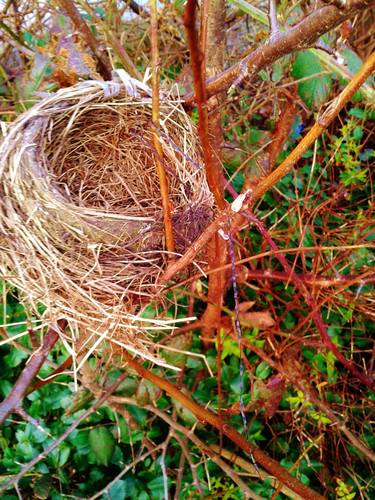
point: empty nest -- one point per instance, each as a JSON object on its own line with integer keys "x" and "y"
{"x": 81, "y": 217}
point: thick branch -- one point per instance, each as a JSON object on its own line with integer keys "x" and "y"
{"x": 299, "y": 37}
{"x": 196, "y": 59}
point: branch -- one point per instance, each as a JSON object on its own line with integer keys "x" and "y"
{"x": 296, "y": 38}
{"x": 25, "y": 468}
{"x": 323, "y": 122}
{"x": 267, "y": 183}
{"x": 80, "y": 24}
{"x": 314, "y": 311}
{"x": 272, "y": 17}
{"x": 13, "y": 401}
{"x": 163, "y": 179}
{"x": 207, "y": 416}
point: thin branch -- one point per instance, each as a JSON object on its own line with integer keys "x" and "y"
{"x": 80, "y": 24}
{"x": 272, "y": 17}
{"x": 163, "y": 179}
{"x": 267, "y": 183}
{"x": 316, "y": 131}
{"x": 215, "y": 457}
{"x": 14, "y": 398}
{"x": 126, "y": 469}
{"x": 115, "y": 44}
{"x": 207, "y": 416}
{"x": 314, "y": 311}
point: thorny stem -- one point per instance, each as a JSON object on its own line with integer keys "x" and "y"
{"x": 163, "y": 179}
{"x": 301, "y": 383}
{"x": 205, "y": 415}
{"x": 365, "y": 379}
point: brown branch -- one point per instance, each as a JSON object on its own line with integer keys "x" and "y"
{"x": 14, "y": 398}
{"x": 267, "y": 183}
{"x": 196, "y": 60}
{"x": 207, "y": 416}
{"x": 104, "y": 66}
{"x": 212, "y": 45}
{"x": 163, "y": 179}
{"x": 301, "y": 383}
{"x": 299, "y": 37}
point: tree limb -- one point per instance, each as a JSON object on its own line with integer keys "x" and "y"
{"x": 299, "y": 37}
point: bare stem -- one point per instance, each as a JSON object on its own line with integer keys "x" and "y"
{"x": 196, "y": 60}
{"x": 80, "y": 24}
{"x": 163, "y": 180}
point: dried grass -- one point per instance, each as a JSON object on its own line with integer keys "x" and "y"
{"x": 81, "y": 213}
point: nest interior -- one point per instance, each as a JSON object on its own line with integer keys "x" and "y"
{"x": 81, "y": 213}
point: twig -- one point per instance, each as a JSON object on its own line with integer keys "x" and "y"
{"x": 163, "y": 180}
{"x": 116, "y": 45}
{"x": 14, "y": 398}
{"x": 251, "y": 470}
{"x": 80, "y": 24}
{"x": 326, "y": 339}
{"x": 186, "y": 453}
{"x": 126, "y": 469}
{"x": 272, "y": 17}
{"x": 194, "y": 439}
{"x": 299, "y": 37}
{"x": 323, "y": 122}
{"x": 207, "y": 416}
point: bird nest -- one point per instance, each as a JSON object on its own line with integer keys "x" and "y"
{"x": 81, "y": 219}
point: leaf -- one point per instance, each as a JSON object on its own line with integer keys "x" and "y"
{"x": 102, "y": 444}
{"x": 315, "y": 90}
{"x": 260, "y": 320}
{"x": 263, "y": 370}
{"x": 180, "y": 343}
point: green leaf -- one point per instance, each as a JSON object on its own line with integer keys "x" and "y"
{"x": 263, "y": 370}
{"x": 102, "y": 444}
{"x": 315, "y": 90}
{"x": 15, "y": 358}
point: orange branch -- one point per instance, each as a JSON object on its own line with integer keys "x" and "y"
{"x": 163, "y": 179}
{"x": 206, "y": 416}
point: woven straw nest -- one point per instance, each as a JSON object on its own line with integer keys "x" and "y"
{"x": 81, "y": 220}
